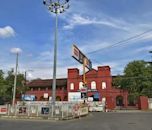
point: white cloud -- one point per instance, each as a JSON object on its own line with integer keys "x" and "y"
{"x": 16, "y": 50}
{"x": 147, "y": 37}
{"x": 45, "y": 53}
{"x": 6, "y": 32}
{"x": 30, "y": 76}
{"x": 46, "y": 56}
{"x": 93, "y": 46}
{"x": 77, "y": 20}
{"x": 143, "y": 49}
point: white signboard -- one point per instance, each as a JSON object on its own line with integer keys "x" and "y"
{"x": 3, "y": 109}
{"x": 75, "y": 52}
{"x": 74, "y": 96}
{"x": 80, "y": 57}
{"x": 46, "y": 95}
{"x": 90, "y": 99}
{"x": 50, "y": 98}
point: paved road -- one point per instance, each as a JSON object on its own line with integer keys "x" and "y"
{"x": 95, "y": 121}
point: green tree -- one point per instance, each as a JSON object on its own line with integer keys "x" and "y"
{"x": 136, "y": 79}
{"x": 7, "y": 85}
{"x": 2, "y": 83}
{"x": 10, "y": 84}
{"x": 3, "y": 88}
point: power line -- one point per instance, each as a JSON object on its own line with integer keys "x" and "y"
{"x": 121, "y": 42}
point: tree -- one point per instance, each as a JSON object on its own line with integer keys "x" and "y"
{"x": 136, "y": 79}
{"x": 3, "y": 88}
{"x": 7, "y": 85}
{"x": 10, "y": 83}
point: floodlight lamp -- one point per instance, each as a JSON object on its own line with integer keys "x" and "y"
{"x": 56, "y": 4}
{"x": 50, "y": 9}
{"x": 61, "y": 11}
{"x": 44, "y": 2}
{"x": 68, "y": 6}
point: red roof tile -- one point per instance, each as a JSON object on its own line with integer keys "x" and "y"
{"x": 47, "y": 83}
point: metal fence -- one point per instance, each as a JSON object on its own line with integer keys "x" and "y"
{"x": 62, "y": 110}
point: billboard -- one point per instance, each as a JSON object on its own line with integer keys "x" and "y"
{"x": 28, "y": 97}
{"x": 75, "y": 52}
{"x": 74, "y": 96}
{"x": 80, "y": 57}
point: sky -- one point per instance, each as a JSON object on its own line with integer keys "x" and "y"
{"x": 95, "y": 26}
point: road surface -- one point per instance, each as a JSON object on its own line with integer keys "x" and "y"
{"x": 95, "y": 121}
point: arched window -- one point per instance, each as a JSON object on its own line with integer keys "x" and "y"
{"x": 80, "y": 85}
{"x": 71, "y": 86}
{"x": 104, "y": 86}
{"x": 93, "y": 85}
{"x": 119, "y": 101}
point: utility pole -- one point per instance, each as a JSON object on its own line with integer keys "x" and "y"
{"x": 56, "y": 7}
{"x": 15, "y": 80}
{"x": 15, "y": 51}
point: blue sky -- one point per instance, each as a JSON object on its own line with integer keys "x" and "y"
{"x": 92, "y": 25}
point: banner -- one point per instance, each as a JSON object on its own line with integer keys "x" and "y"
{"x": 80, "y": 57}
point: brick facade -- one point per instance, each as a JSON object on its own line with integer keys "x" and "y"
{"x": 103, "y": 80}
{"x": 98, "y": 82}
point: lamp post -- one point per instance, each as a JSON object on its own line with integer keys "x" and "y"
{"x": 56, "y": 7}
{"x": 25, "y": 75}
{"x": 150, "y": 52}
{"x": 15, "y": 51}
{"x": 151, "y": 57}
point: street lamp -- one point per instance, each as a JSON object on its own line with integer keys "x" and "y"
{"x": 15, "y": 51}
{"x": 26, "y": 75}
{"x": 151, "y": 56}
{"x": 56, "y": 7}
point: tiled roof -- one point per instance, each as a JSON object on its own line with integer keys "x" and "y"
{"x": 47, "y": 83}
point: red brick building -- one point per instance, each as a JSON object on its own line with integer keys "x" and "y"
{"x": 41, "y": 87}
{"x": 99, "y": 86}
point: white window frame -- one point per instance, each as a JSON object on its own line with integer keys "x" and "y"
{"x": 93, "y": 85}
{"x": 71, "y": 86}
{"x": 104, "y": 85}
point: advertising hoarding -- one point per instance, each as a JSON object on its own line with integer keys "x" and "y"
{"x": 28, "y": 97}
{"x": 80, "y": 57}
{"x": 74, "y": 96}
{"x": 46, "y": 95}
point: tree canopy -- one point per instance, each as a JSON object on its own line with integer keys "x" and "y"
{"x": 137, "y": 78}
{"x": 7, "y": 84}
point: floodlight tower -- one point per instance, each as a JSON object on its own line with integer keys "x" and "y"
{"x": 56, "y": 7}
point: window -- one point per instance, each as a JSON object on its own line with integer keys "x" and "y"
{"x": 93, "y": 85}
{"x": 71, "y": 86}
{"x": 104, "y": 85}
{"x": 80, "y": 85}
